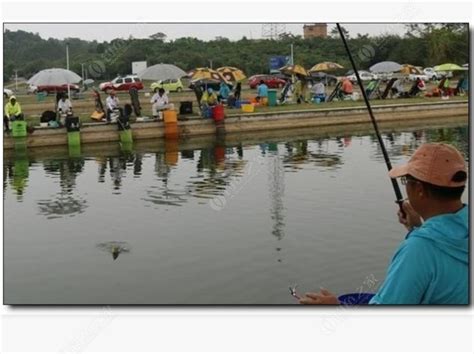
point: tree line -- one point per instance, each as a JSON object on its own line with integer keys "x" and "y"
{"x": 422, "y": 44}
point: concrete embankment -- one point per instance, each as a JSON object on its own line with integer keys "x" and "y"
{"x": 254, "y": 122}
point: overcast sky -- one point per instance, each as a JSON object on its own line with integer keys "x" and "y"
{"x": 107, "y": 32}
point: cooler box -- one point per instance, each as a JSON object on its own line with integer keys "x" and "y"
{"x": 248, "y": 108}
{"x": 272, "y": 97}
{"x": 218, "y": 113}
{"x": 186, "y": 107}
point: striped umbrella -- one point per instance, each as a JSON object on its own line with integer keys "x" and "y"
{"x": 206, "y": 74}
{"x": 326, "y": 66}
{"x": 294, "y": 70}
{"x": 410, "y": 69}
{"x": 231, "y": 73}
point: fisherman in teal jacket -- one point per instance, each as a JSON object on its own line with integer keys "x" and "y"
{"x": 431, "y": 264}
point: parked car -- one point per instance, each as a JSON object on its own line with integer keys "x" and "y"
{"x": 413, "y": 77}
{"x": 272, "y": 81}
{"x": 122, "y": 83}
{"x": 364, "y": 76}
{"x": 50, "y": 89}
{"x": 7, "y": 93}
{"x": 431, "y": 74}
{"x": 168, "y": 85}
{"x": 436, "y": 75}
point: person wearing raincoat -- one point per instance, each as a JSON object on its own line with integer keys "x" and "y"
{"x": 12, "y": 112}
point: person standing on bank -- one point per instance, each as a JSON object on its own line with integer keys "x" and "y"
{"x": 112, "y": 103}
{"x": 431, "y": 265}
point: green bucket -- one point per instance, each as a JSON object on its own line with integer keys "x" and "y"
{"x": 19, "y": 129}
{"x": 126, "y": 136}
{"x": 74, "y": 150}
{"x": 272, "y": 97}
{"x": 74, "y": 139}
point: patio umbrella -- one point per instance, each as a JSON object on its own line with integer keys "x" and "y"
{"x": 206, "y": 74}
{"x": 55, "y": 77}
{"x": 408, "y": 69}
{"x": 326, "y": 66}
{"x": 231, "y": 73}
{"x": 161, "y": 72}
{"x": 293, "y": 70}
{"x": 385, "y": 67}
{"x": 449, "y": 67}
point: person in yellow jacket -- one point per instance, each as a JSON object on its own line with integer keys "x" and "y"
{"x": 12, "y": 112}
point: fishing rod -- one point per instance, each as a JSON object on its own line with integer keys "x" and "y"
{"x": 395, "y": 185}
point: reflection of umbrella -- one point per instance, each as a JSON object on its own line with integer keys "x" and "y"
{"x": 326, "y": 66}
{"x": 162, "y": 72}
{"x": 385, "y": 67}
{"x": 294, "y": 70}
{"x": 206, "y": 74}
{"x": 55, "y": 77}
{"x": 231, "y": 73}
{"x": 408, "y": 69}
{"x": 449, "y": 67}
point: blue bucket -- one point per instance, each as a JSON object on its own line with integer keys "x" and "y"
{"x": 355, "y": 299}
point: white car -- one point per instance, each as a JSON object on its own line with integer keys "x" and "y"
{"x": 413, "y": 77}
{"x": 436, "y": 75}
{"x": 31, "y": 89}
{"x": 7, "y": 93}
{"x": 364, "y": 76}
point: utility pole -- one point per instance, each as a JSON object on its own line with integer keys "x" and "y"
{"x": 292, "y": 60}
{"x": 67, "y": 67}
{"x": 16, "y": 80}
{"x": 210, "y": 63}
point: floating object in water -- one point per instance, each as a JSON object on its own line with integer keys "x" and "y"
{"x": 293, "y": 291}
{"x": 114, "y": 247}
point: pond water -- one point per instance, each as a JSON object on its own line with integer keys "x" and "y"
{"x": 208, "y": 221}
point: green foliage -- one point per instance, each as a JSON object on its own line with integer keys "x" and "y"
{"x": 424, "y": 45}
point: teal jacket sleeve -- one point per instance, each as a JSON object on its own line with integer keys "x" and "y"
{"x": 408, "y": 275}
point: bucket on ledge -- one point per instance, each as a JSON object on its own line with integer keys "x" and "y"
{"x": 218, "y": 113}
{"x": 170, "y": 116}
{"x": 19, "y": 128}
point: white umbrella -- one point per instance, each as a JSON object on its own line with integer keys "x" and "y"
{"x": 386, "y": 67}
{"x": 54, "y": 77}
{"x": 161, "y": 72}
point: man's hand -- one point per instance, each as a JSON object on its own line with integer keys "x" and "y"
{"x": 322, "y": 298}
{"x": 411, "y": 219}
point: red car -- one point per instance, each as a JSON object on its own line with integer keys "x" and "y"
{"x": 55, "y": 88}
{"x": 122, "y": 84}
{"x": 272, "y": 81}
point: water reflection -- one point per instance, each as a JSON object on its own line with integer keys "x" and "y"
{"x": 215, "y": 168}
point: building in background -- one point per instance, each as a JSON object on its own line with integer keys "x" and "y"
{"x": 315, "y": 30}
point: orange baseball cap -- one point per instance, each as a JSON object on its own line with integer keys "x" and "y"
{"x": 434, "y": 163}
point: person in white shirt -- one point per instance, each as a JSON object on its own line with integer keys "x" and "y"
{"x": 160, "y": 102}
{"x": 64, "y": 108}
{"x": 112, "y": 102}
{"x": 318, "y": 90}
{"x": 398, "y": 88}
